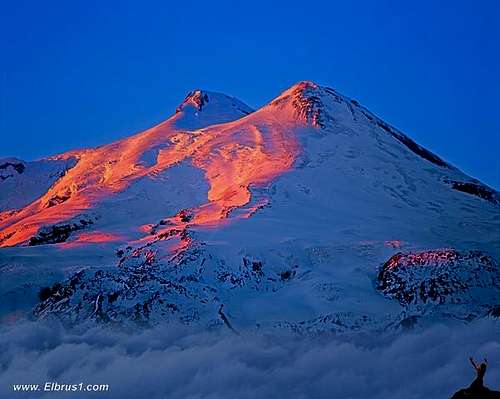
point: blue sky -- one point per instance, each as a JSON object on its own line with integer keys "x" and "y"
{"x": 82, "y": 73}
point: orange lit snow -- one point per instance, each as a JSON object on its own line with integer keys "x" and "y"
{"x": 234, "y": 156}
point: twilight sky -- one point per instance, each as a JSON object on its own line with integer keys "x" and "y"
{"x": 83, "y": 73}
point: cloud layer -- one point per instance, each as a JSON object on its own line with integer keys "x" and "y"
{"x": 177, "y": 362}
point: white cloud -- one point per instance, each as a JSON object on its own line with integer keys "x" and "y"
{"x": 177, "y": 362}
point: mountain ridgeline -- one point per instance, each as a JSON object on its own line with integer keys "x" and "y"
{"x": 310, "y": 214}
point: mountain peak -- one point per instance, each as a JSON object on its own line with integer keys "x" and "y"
{"x": 305, "y": 100}
{"x": 302, "y": 200}
{"x": 196, "y": 98}
{"x": 201, "y": 108}
{"x": 304, "y": 88}
{"x": 304, "y": 85}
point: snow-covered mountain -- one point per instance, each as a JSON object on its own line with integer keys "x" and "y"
{"x": 310, "y": 213}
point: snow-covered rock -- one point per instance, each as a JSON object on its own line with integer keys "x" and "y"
{"x": 438, "y": 278}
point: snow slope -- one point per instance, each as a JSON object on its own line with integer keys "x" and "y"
{"x": 277, "y": 218}
{"x": 23, "y": 182}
